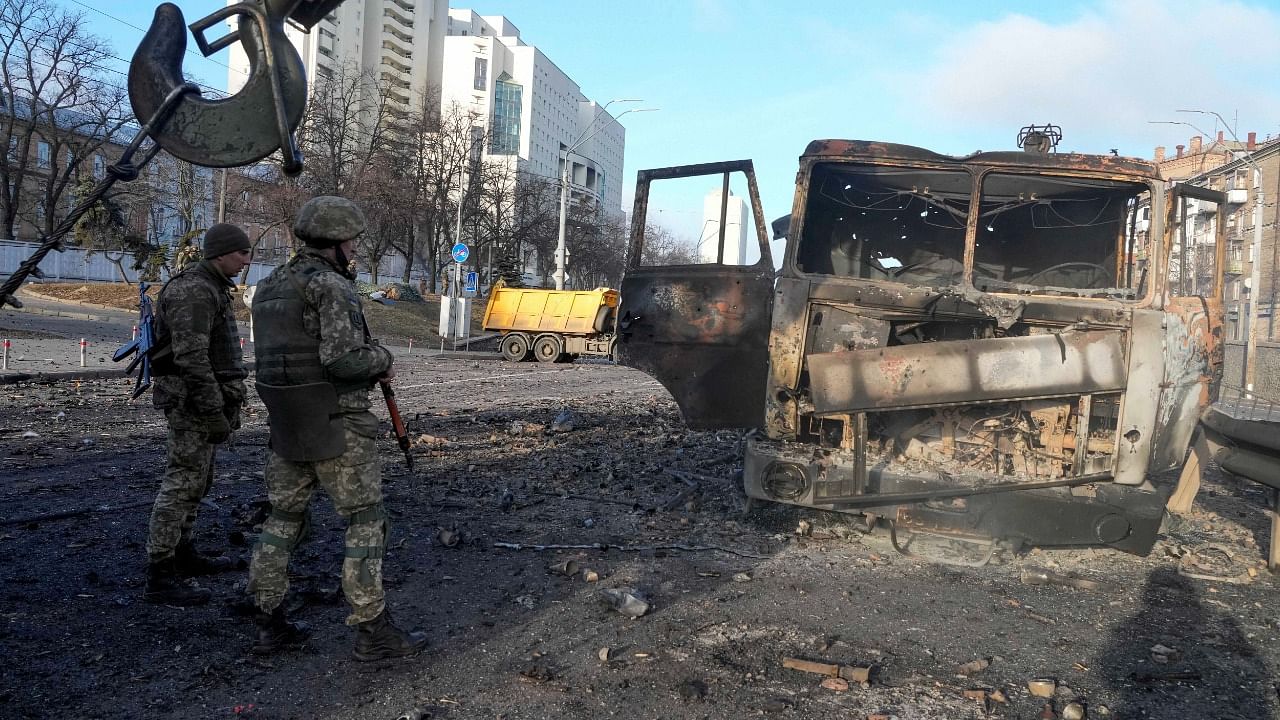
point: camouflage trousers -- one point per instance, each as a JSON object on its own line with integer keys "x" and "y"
{"x": 188, "y": 475}
{"x": 353, "y": 481}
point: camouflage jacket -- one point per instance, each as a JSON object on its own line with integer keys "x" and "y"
{"x": 194, "y": 312}
{"x": 332, "y": 326}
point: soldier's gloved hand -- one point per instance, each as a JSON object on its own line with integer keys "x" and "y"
{"x": 232, "y": 413}
{"x": 217, "y": 427}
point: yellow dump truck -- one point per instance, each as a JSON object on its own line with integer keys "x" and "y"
{"x": 552, "y": 325}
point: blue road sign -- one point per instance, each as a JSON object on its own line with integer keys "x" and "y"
{"x": 461, "y": 252}
{"x": 472, "y": 281}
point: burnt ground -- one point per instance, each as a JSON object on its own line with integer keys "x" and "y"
{"x": 733, "y": 592}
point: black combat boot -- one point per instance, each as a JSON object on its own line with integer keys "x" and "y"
{"x": 166, "y": 587}
{"x": 379, "y": 639}
{"x": 190, "y": 562}
{"x": 276, "y": 633}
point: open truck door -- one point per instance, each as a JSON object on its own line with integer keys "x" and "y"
{"x": 701, "y": 328}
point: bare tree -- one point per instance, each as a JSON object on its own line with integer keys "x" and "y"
{"x": 348, "y": 123}
{"x": 57, "y": 110}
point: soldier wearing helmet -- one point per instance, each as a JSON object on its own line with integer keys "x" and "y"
{"x": 315, "y": 367}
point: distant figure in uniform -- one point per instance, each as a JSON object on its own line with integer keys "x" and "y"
{"x": 315, "y": 367}
{"x": 200, "y": 386}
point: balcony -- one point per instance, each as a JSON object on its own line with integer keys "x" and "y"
{"x": 1237, "y": 196}
{"x": 406, "y": 54}
{"x": 1234, "y": 266}
{"x": 395, "y": 80}
{"x": 391, "y": 13}
{"x": 405, "y": 37}
{"x": 391, "y": 63}
{"x": 406, "y": 5}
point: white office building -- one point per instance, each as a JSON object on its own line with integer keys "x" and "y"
{"x": 399, "y": 41}
{"x": 535, "y": 112}
{"x": 735, "y": 236}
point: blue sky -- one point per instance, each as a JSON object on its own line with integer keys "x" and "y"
{"x": 759, "y": 79}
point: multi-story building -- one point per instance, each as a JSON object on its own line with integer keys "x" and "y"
{"x": 401, "y": 42}
{"x": 1251, "y": 234}
{"x": 534, "y": 113}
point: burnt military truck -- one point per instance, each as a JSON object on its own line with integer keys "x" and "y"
{"x": 986, "y": 347}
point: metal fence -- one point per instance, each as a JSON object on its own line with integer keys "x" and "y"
{"x": 77, "y": 264}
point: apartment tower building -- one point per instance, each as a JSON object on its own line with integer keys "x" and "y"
{"x": 400, "y": 41}
{"x": 535, "y": 113}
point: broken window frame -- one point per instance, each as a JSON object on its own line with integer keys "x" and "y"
{"x": 1154, "y": 244}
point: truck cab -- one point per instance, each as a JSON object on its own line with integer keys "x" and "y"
{"x": 986, "y": 347}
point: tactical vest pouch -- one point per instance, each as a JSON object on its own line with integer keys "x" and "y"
{"x": 305, "y": 421}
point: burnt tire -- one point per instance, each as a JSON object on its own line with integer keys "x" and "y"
{"x": 547, "y": 349}
{"x": 515, "y": 347}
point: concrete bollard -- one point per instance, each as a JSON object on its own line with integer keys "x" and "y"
{"x": 84, "y": 348}
{"x": 4, "y": 360}
{"x": 135, "y": 333}
{"x": 410, "y": 346}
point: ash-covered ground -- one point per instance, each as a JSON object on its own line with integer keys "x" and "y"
{"x": 732, "y": 592}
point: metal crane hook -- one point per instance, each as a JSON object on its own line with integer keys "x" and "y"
{"x": 247, "y": 126}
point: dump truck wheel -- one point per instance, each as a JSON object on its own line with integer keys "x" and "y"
{"x": 515, "y": 347}
{"x": 547, "y": 348}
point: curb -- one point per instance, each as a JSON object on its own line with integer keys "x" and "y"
{"x": 11, "y": 378}
{"x": 52, "y": 298}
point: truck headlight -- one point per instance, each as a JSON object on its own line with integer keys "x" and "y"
{"x": 785, "y": 481}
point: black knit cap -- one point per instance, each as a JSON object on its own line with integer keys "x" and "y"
{"x": 224, "y": 238}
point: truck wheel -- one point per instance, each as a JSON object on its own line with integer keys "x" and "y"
{"x": 515, "y": 347}
{"x": 547, "y": 348}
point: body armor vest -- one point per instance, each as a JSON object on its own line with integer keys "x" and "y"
{"x": 285, "y": 352}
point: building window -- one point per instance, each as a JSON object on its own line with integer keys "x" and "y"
{"x": 43, "y": 154}
{"x": 482, "y": 74}
{"x": 477, "y": 143}
{"x": 506, "y": 116}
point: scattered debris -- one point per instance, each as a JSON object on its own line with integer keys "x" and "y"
{"x": 1073, "y": 711}
{"x": 804, "y": 528}
{"x": 567, "y": 568}
{"x": 1164, "y": 654}
{"x": 836, "y": 684}
{"x": 430, "y": 441}
{"x": 977, "y": 694}
{"x": 627, "y": 601}
{"x": 589, "y": 575}
{"x": 1042, "y": 687}
{"x": 30, "y": 435}
{"x": 742, "y": 577}
{"x": 566, "y": 421}
{"x": 526, "y": 601}
{"x": 975, "y": 666}
{"x": 603, "y": 654}
{"x": 998, "y": 696}
{"x": 1178, "y": 676}
{"x": 849, "y": 673}
{"x": 777, "y": 705}
{"x": 538, "y": 673}
{"x": 629, "y": 548}
{"x": 448, "y": 537}
{"x": 692, "y": 691}
{"x": 1040, "y": 576}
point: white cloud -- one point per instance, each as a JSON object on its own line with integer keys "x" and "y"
{"x": 1104, "y": 74}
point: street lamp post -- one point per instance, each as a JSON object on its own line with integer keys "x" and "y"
{"x": 586, "y": 135}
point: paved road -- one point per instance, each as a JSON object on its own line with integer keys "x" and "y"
{"x": 45, "y": 336}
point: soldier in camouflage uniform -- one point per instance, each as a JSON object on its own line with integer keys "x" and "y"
{"x": 315, "y": 366}
{"x": 200, "y": 386}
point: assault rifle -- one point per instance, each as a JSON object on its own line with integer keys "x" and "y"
{"x": 140, "y": 345}
{"x": 402, "y": 435}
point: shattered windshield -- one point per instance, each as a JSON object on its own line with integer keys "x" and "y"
{"x": 1060, "y": 235}
{"x": 886, "y": 223}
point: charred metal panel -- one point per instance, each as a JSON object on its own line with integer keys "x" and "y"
{"x": 833, "y": 328}
{"x": 961, "y": 371}
{"x": 1137, "y": 426}
{"x": 790, "y": 306}
{"x": 703, "y": 332}
{"x": 1121, "y": 517}
{"x": 1193, "y": 359}
{"x": 866, "y": 151}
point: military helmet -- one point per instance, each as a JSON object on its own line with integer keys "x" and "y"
{"x": 328, "y": 220}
